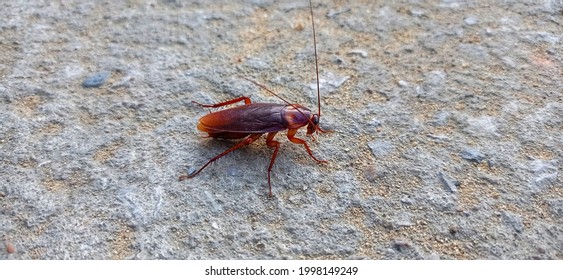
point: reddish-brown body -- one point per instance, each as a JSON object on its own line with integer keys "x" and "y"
{"x": 252, "y": 120}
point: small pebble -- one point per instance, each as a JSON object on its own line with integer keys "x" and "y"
{"x": 407, "y": 200}
{"x": 10, "y": 248}
{"x": 400, "y": 245}
{"x": 451, "y": 185}
{"x": 472, "y": 155}
{"x": 190, "y": 169}
{"x": 333, "y": 13}
{"x": 470, "y": 21}
{"x": 361, "y": 53}
{"x": 260, "y": 246}
{"x": 381, "y": 148}
{"x": 438, "y": 137}
{"x": 96, "y": 80}
{"x": 484, "y": 125}
{"x": 403, "y": 83}
{"x": 372, "y": 174}
{"x": 416, "y": 12}
{"x": 513, "y": 220}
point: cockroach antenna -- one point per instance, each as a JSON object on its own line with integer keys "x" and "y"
{"x": 316, "y": 59}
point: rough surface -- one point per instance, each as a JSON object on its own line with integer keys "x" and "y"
{"x": 447, "y": 122}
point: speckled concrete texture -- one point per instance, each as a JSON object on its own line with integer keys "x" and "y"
{"x": 446, "y": 117}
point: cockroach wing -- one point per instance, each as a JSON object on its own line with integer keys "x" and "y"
{"x": 245, "y": 119}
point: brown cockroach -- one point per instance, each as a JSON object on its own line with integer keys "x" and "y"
{"x": 252, "y": 120}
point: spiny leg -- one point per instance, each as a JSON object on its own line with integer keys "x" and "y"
{"x": 291, "y": 136}
{"x": 228, "y": 102}
{"x": 274, "y": 144}
{"x": 239, "y": 145}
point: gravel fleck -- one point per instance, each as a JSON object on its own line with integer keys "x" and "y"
{"x": 96, "y": 80}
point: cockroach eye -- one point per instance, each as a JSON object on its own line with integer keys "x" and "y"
{"x": 315, "y": 119}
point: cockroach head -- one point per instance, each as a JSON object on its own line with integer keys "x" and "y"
{"x": 313, "y": 124}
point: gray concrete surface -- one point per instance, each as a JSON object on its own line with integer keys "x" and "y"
{"x": 447, "y": 119}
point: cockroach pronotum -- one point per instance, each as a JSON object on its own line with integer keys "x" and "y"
{"x": 252, "y": 120}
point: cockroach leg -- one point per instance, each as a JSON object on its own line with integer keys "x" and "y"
{"x": 274, "y": 144}
{"x": 229, "y": 102}
{"x": 291, "y": 136}
{"x": 247, "y": 141}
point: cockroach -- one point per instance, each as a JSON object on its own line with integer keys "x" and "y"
{"x": 252, "y": 120}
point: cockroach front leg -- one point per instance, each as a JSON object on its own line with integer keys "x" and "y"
{"x": 229, "y": 102}
{"x": 291, "y": 136}
{"x": 239, "y": 145}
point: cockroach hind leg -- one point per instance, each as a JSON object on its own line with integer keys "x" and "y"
{"x": 270, "y": 195}
{"x": 245, "y": 142}
{"x": 190, "y": 174}
{"x": 197, "y": 103}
